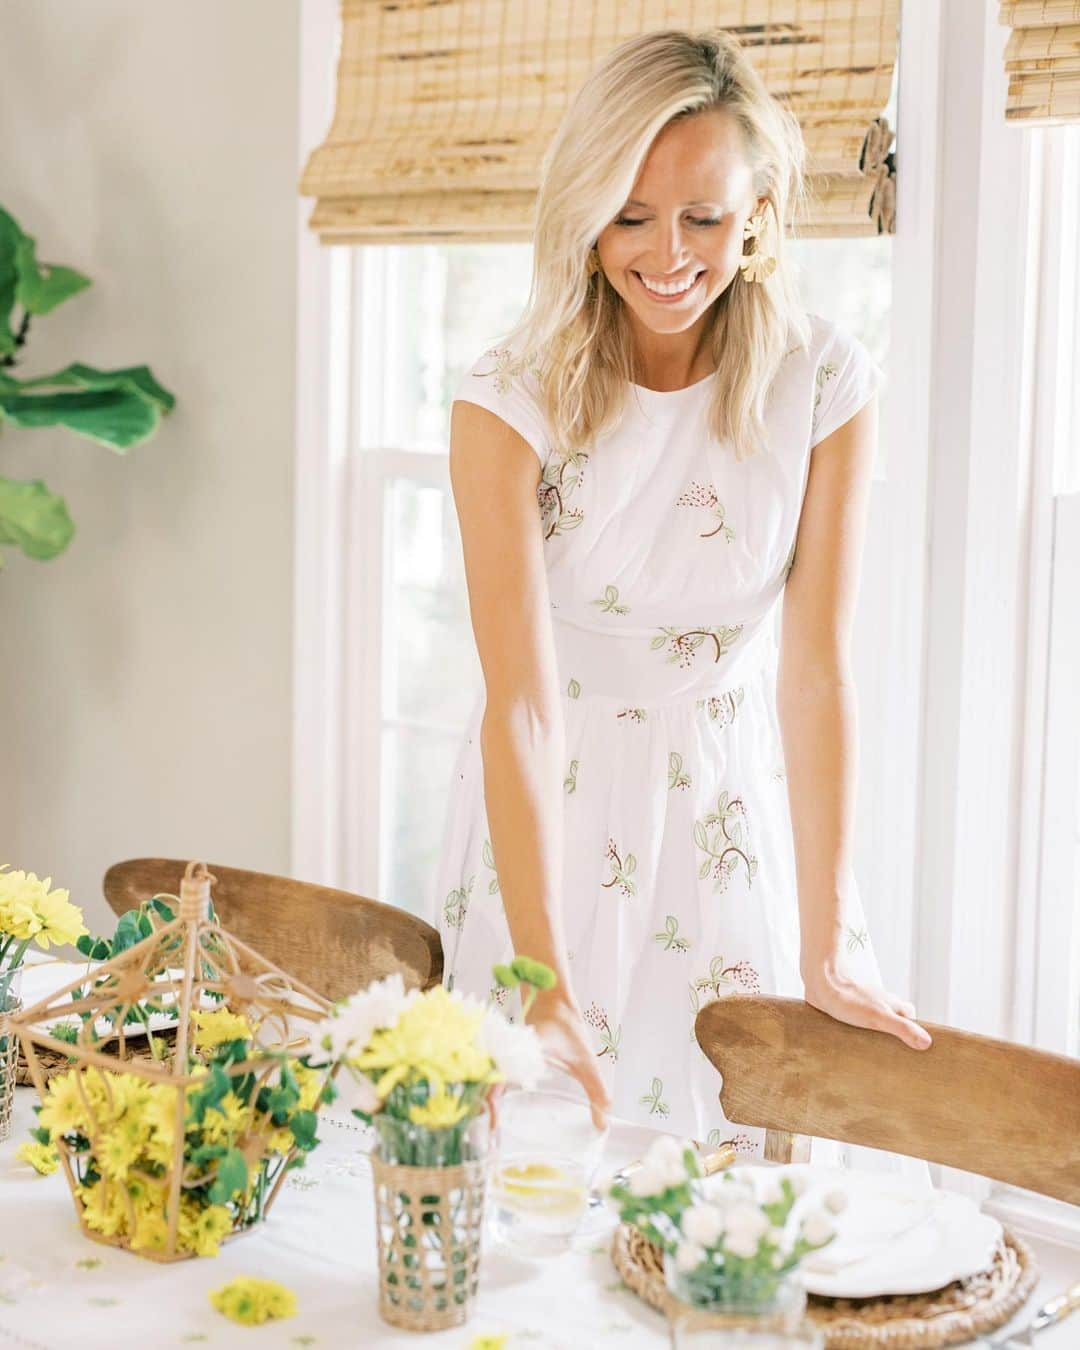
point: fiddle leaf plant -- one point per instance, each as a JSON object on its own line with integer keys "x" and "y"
{"x": 116, "y": 408}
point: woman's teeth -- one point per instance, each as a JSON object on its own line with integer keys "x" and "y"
{"x": 668, "y": 288}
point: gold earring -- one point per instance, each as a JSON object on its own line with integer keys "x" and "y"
{"x": 592, "y": 261}
{"x": 757, "y": 264}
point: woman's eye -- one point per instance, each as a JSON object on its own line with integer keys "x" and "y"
{"x": 711, "y": 220}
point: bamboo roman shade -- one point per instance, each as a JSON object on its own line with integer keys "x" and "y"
{"x": 444, "y": 110}
{"x": 1042, "y": 60}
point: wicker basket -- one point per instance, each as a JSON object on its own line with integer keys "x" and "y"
{"x": 954, "y": 1315}
{"x": 428, "y": 1226}
{"x": 9, "y": 1055}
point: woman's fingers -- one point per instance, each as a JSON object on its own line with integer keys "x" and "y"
{"x": 877, "y": 1011}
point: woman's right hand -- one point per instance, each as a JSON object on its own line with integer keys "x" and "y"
{"x": 565, "y": 1040}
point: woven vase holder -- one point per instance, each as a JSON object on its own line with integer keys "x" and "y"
{"x": 9, "y": 1057}
{"x": 432, "y": 1285}
{"x": 953, "y": 1315}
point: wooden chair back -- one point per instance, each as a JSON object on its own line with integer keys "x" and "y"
{"x": 333, "y": 941}
{"x": 1001, "y": 1110}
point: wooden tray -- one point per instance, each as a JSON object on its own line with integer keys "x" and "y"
{"x": 954, "y": 1315}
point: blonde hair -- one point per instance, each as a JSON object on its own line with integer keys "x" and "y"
{"x": 574, "y": 331}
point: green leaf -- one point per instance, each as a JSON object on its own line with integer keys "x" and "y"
{"x": 34, "y": 519}
{"x": 506, "y": 976}
{"x": 117, "y": 418}
{"x": 303, "y": 1126}
{"x": 40, "y": 287}
{"x": 128, "y": 931}
{"x": 94, "y": 949}
{"x": 701, "y": 837}
{"x": 232, "y": 1176}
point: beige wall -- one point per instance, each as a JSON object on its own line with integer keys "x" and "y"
{"x": 145, "y": 674}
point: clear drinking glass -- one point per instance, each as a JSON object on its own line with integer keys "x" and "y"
{"x": 691, "y": 1331}
{"x": 548, "y": 1153}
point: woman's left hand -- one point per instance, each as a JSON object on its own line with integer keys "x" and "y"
{"x": 829, "y": 990}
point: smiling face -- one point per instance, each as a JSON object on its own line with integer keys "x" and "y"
{"x": 675, "y": 245}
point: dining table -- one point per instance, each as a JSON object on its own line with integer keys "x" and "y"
{"x": 60, "y": 1289}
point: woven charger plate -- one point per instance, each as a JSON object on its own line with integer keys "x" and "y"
{"x": 954, "y": 1315}
{"x": 53, "y": 1062}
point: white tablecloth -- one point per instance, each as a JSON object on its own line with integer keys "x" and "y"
{"x": 58, "y": 1289}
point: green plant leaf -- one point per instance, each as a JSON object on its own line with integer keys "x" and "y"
{"x": 303, "y": 1126}
{"x": 40, "y": 287}
{"x": 116, "y": 418}
{"x": 533, "y": 972}
{"x": 34, "y": 519}
{"x": 232, "y": 1176}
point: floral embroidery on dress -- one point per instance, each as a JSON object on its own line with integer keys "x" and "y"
{"x": 677, "y": 777}
{"x": 507, "y": 368}
{"x": 703, "y": 496}
{"x": 741, "y": 1143}
{"x": 609, "y": 1039}
{"x": 654, "y": 1099}
{"x": 720, "y": 978}
{"x": 722, "y": 708}
{"x": 683, "y": 645}
{"x": 489, "y": 862}
{"x": 633, "y": 714}
{"x": 824, "y": 372}
{"x": 560, "y": 479}
{"x": 570, "y": 781}
{"x": 622, "y": 870}
{"x": 456, "y": 904}
{"x": 669, "y": 939}
{"x": 720, "y": 836}
{"x": 609, "y": 602}
{"x": 857, "y": 938}
{"x": 573, "y": 689}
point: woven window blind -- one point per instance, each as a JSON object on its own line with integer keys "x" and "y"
{"x": 1042, "y": 60}
{"x": 443, "y": 110}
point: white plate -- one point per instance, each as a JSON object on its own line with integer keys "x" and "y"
{"x": 894, "y": 1237}
{"x": 42, "y": 979}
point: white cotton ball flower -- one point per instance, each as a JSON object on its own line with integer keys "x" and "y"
{"x": 723, "y": 1189}
{"x": 836, "y": 1202}
{"x": 702, "y": 1224}
{"x": 665, "y": 1157}
{"x": 744, "y": 1229}
{"x": 516, "y": 1050}
{"x": 817, "y": 1229}
{"x": 645, "y": 1180}
{"x": 798, "y": 1182}
{"x": 771, "y": 1194}
{"x": 688, "y": 1256}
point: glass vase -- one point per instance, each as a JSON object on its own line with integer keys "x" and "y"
{"x": 430, "y": 1188}
{"x": 773, "y": 1314}
{"x": 10, "y": 1002}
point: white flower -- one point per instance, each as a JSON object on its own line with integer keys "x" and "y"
{"x": 836, "y": 1202}
{"x": 688, "y": 1256}
{"x": 771, "y": 1194}
{"x": 745, "y": 1227}
{"x": 816, "y": 1228}
{"x": 798, "y": 1182}
{"x": 665, "y": 1158}
{"x": 516, "y": 1050}
{"x": 702, "y": 1224}
{"x": 645, "y": 1181}
{"x": 350, "y": 1026}
{"x": 724, "y": 1189}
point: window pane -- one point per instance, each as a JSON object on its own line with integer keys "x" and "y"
{"x": 432, "y": 673}
{"x": 417, "y": 767}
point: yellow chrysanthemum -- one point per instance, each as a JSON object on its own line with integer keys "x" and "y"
{"x": 310, "y": 1082}
{"x": 104, "y": 1208}
{"x": 279, "y": 1140}
{"x": 151, "y": 1231}
{"x": 489, "y": 1342}
{"x": 63, "y": 1110}
{"x": 218, "y": 1026}
{"x": 41, "y": 1157}
{"x": 202, "y": 1228}
{"x": 252, "y": 1302}
{"x": 61, "y": 921}
{"x": 435, "y": 1039}
{"x": 115, "y": 1150}
{"x": 222, "y": 1123}
{"x": 439, "y": 1111}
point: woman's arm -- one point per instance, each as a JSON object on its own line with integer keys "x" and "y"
{"x": 494, "y": 475}
{"x": 817, "y": 714}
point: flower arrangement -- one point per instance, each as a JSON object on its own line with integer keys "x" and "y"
{"x": 119, "y": 1133}
{"x": 251, "y": 1302}
{"x": 423, "y": 1066}
{"x": 725, "y": 1240}
{"x": 170, "y": 1152}
{"x": 30, "y": 911}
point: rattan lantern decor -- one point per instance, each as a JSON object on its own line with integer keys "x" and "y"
{"x": 171, "y": 1153}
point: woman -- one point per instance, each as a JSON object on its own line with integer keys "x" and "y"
{"x": 642, "y": 799}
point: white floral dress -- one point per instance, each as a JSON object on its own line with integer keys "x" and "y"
{"x": 666, "y": 558}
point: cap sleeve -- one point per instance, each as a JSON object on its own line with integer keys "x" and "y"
{"x": 846, "y": 378}
{"x": 505, "y": 385}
